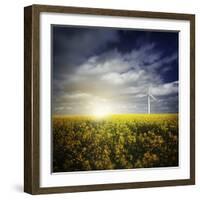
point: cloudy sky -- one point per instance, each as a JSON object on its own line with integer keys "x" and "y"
{"x": 112, "y": 69}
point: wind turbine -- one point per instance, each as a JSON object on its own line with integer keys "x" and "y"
{"x": 149, "y": 97}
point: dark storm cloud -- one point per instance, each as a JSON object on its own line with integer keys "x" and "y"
{"x": 72, "y": 46}
{"x": 114, "y": 67}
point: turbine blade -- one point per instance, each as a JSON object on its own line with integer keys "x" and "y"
{"x": 154, "y": 98}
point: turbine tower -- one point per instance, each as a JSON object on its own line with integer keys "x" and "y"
{"x": 149, "y": 97}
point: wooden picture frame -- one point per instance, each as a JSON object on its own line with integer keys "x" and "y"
{"x": 32, "y": 105}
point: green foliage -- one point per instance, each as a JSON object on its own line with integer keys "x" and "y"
{"x": 116, "y": 142}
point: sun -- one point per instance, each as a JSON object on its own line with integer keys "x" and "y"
{"x": 101, "y": 110}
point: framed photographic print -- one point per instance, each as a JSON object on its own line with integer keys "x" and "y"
{"x": 109, "y": 99}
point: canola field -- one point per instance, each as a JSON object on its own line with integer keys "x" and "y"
{"x": 124, "y": 141}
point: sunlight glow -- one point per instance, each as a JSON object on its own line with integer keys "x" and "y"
{"x": 101, "y": 109}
